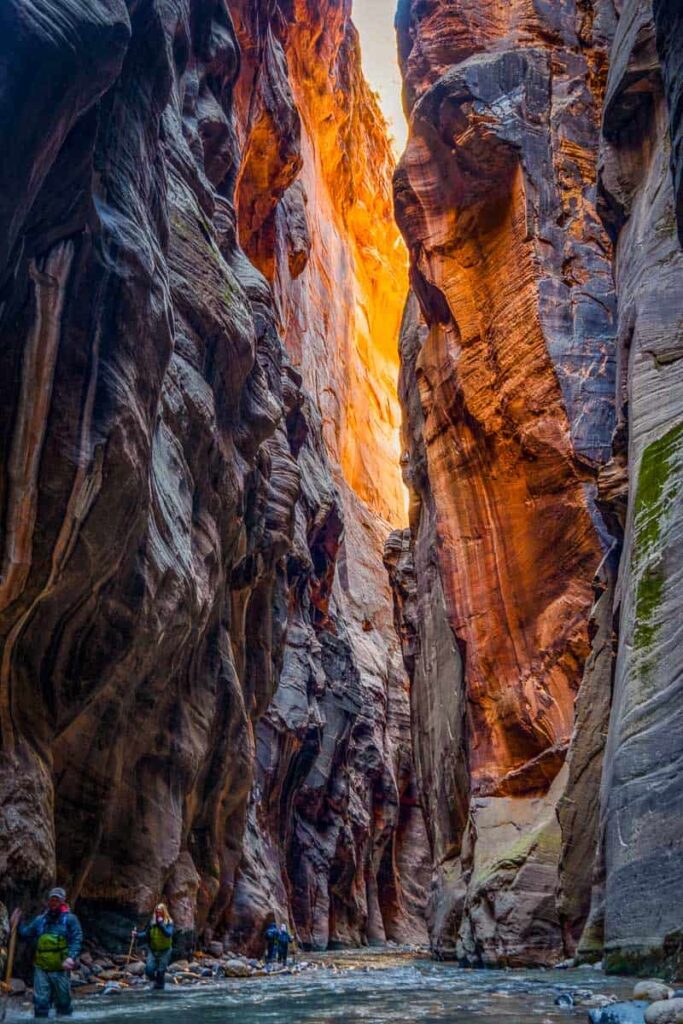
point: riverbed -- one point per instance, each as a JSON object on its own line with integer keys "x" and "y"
{"x": 375, "y": 988}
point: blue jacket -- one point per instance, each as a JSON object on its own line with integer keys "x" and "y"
{"x": 65, "y": 923}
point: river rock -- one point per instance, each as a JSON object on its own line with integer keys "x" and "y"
{"x": 598, "y": 999}
{"x": 111, "y": 988}
{"x": 215, "y": 949}
{"x": 618, "y": 1013}
{"x": 666, "y": 1011}
{"x": 652, "y": 991}
{"x": 136, "y": 969}
{"x": 236, "y": 969}
{"x": 110, "y": 975}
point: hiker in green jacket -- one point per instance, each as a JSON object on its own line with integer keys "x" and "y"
{"x": 58, "y": 938}
{"x": 159, "y": 938}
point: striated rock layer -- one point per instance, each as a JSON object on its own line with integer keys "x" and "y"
{"x": 508, "y": 390}
{"x": 637, "y": 906}
{"x": 536, "y": 592}
{"x": 200, "y": 698}
{"x": 315, "y": 191}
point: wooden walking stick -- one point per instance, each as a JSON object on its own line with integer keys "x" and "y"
{"x": 7, "y": 984}
{"x": 130, "y": 948}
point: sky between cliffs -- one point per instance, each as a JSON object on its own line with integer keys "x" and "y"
{"x": 374, "y": 20}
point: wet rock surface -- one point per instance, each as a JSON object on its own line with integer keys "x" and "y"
{"x": 619, "y": 1013}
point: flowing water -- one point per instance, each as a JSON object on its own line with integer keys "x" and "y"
{"x": 373, "y": 988}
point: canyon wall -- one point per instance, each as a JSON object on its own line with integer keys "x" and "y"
{"x": 201, "y": 696}
{"x": 637, "y": 905}
{"x": 535, "y": 591}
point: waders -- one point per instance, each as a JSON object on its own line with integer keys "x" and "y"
{"x": 7, "y": 984}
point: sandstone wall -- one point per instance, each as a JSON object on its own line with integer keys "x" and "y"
{"x": 539, "y": 196}
{"x": 321, "y": 227}
{"x": 641, "y": 788}
{"x": 200, "y": 697}
{"x": 512, "y": 385}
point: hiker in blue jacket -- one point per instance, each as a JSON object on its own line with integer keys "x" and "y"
{"x": 272, "y": 932}
{"x": 58, "y": 938}
{"x": 283, "y": 941}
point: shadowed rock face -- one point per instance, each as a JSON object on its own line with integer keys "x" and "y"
{"x": 185, "y": 698}
{"x": 541, "y": 429}
{"x": 641, "y": 793}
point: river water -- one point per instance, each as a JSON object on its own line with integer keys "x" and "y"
{"x": 374, "y": 989}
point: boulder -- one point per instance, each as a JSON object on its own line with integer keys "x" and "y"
{"x": 665, "y": 1011}
{"x": 618, "y": 1013}
{"x": 598, "y": 999}
{"x": 652, "y": 991}
{"x": 137, "y": 968}
{"x": 236, "y": 969}
{"x": 215, "y": 949}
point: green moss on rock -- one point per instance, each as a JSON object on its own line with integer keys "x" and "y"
{"x": 658, "y": 486}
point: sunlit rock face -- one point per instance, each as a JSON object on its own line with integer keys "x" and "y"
{"x": 508, "y": 394}
{"x": 315, "y": 203}
{"x": 201, "y": 697}
{"x": 335, "y": 776}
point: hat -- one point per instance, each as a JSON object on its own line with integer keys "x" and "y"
{"x": 58, "y": 894}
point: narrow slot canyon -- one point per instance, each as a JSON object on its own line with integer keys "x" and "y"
{"x": 340, "y": 479}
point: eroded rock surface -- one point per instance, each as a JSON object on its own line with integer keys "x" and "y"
{"x": 641, "y": 798}
{"x": 201, "y": 694}
{"x": 510, "y": 412}
{"x": 542, "y": 417}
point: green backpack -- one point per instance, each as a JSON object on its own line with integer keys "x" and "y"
{"x": 51, "y": 952}
{"x": 159, "y": 941}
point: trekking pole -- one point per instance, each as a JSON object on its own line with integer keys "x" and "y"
{"x": 130, "y": 948}
{"x": 11, "y": 950}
